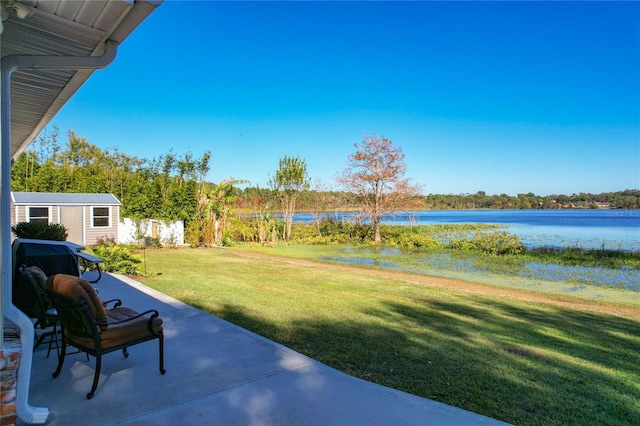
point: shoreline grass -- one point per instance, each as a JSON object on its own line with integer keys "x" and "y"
{"x": 520, "y": 362}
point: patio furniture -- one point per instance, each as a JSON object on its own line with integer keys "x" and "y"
{"x": 53, "y": 257}
{"x": 88, "y": 261}
{"x": 30, "y": 296}
{"x": 90, "y": 328}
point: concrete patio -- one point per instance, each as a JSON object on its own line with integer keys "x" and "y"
{"x": 218, "y": 374}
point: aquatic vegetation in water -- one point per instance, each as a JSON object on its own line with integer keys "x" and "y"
{"x": 624, "y": 277}
{"x": 451, "y": 263}
{"x": 495, "y": 243}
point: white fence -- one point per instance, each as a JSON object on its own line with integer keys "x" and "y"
{"x": 134, "y": 231}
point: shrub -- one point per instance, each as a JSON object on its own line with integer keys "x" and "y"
{"x": 302, "y": 231}
{"x": 242, "y": 230}
{"x": 118, "y": 258}
{"x": 40, "y": 231}
{"x": 193, "y": 233}
{"x": 410, "y": 240}
{"x": 151, "y": 242}
{"x": 352, "y": 232}
{"x": 496, "y": 243}
{"x": 331, "y": 232}
{"x": 105, "y": 240}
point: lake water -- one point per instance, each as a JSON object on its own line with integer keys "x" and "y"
{"x": 613, "y": 229}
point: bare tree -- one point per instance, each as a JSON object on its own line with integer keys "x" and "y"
{"x": 376, "y": 175}
{"x": 320, "y": 198}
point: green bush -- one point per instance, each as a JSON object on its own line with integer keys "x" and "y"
{"x": 410, "y": 240}
{"x": 193, "y": 233}
{"x": 354, "y": 232}
{"x": 40, "y": 231}
{"x": 331, "y": 232}
{"x": 495, "y": 243}
{"x": 118, "y": 258}
{"x": 243, "y": 230}
{"x": 152, "y": 242}
{"x": 302, "y": 232}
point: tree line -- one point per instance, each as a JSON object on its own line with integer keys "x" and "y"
{"x": 174, "y": 187}
{"x": 627, "y": 199}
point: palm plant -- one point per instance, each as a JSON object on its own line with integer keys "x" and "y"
{"x": 217, "y": 208}
{"x": 118, "y": 258}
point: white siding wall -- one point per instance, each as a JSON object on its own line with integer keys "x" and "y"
{"x": 92, "y": 234}
{"x": 168, "y": 233}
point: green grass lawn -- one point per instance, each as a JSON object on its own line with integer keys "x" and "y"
{"x": 517, "y": 361}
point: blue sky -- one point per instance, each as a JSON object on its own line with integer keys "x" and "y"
{"x": 501, "y": 97}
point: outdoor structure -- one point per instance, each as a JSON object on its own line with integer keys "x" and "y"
{"x": 169, "y": 234}
{"x": 48, "y": 49}
{"x": 87, "y": 217}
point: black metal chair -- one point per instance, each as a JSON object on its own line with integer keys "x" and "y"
{"x": 90, "y": 328}
{"x": 29, "y": 295}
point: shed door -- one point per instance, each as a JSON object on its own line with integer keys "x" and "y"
{"x": 71, "y": 218}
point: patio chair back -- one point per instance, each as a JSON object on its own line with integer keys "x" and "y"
{"x": 78, "y": 305}
{"x": 29, "y": 294}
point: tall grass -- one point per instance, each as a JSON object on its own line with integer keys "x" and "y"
{"x": 521, "y": 362}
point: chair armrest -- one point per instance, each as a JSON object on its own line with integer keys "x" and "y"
{"x": 89, "y": 258}
{"x": 153, "y": 312}
{"x": 86, "y": 260}
{"x": 118, "y": 303}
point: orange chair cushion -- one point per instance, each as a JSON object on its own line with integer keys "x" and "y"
{"x": 76, "y": 288}
{"x": 119, "y": 334}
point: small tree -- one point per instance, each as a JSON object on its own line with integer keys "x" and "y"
{"x": 375, "y": 174}
{"x": 290, "y": 179}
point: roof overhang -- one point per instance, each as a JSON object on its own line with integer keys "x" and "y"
{"x": 60, "y": 28}
{"x": 48, "y": 50}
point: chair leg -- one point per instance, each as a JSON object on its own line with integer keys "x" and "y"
{"x": 96, "y": 376}
{"x": 54, "y": 339}
{"x": 61, "y": 354}
{"x": 161, "y": 346}
{"x": 40, "y": 340}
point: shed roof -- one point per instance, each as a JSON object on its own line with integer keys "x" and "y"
{"x": 55, "y": 198}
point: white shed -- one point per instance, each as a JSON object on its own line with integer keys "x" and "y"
{"x": 87, "y": 217}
